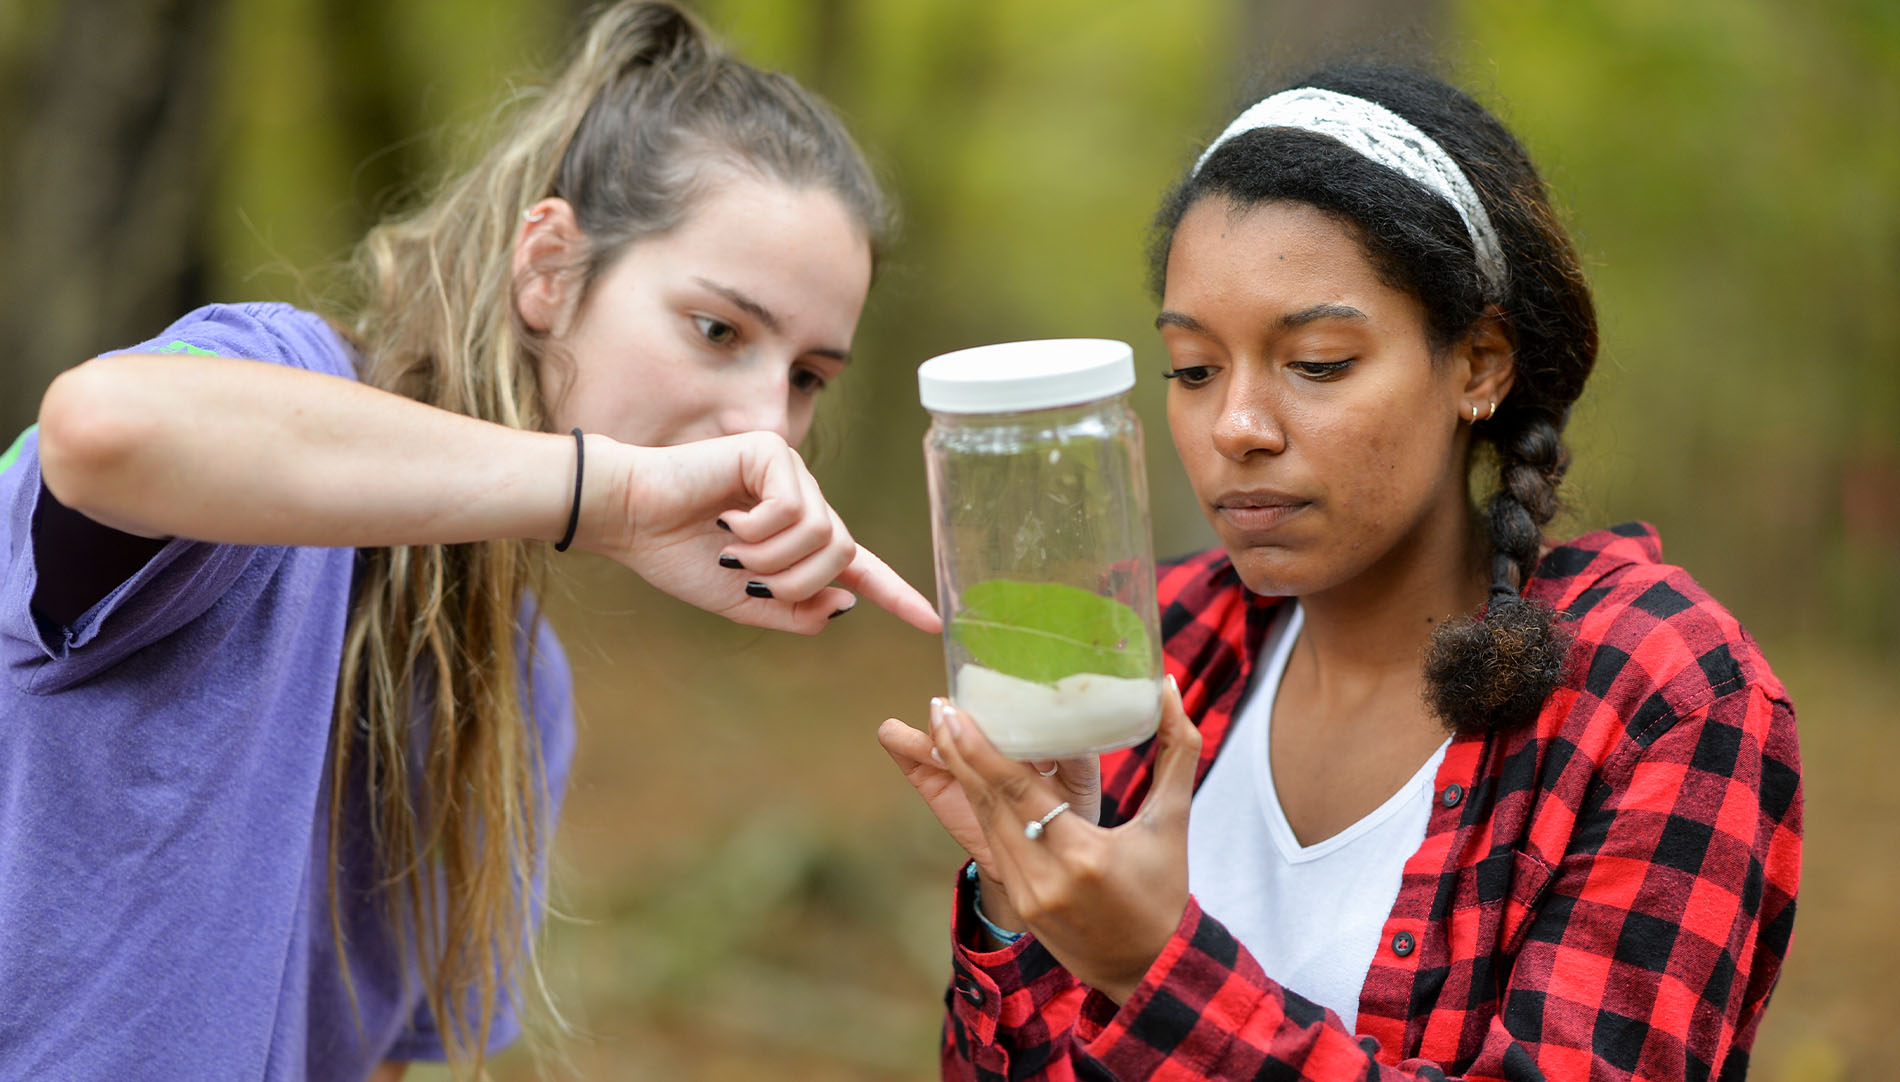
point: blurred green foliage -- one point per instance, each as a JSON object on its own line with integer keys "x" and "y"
{"x": 1728, "y": 169}
{"x": 1731, "y": 172}
{"x": 756, "y": 893}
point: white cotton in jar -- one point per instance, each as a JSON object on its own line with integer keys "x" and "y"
{"x": 1078, "y": 714}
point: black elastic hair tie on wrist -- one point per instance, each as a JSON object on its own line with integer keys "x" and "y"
{"x": 574, "y": 513}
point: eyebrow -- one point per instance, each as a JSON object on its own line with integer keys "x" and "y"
{"x": 1285, "y": 322}
{"x": 1322, "y": 311}
{"x": 1181, "y": 320}
{"x": 764, "y": 315}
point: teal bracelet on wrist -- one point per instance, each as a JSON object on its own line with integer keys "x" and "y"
{"x": 1003, "y": 936}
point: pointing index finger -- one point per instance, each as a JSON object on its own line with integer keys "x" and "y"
{"x": 873, "y": 579}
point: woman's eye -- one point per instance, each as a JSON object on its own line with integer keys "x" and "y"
{"x": 1193, "y": 375}
{"x": 1321, "y": 371}
{"x": 807, "y": 381}
{"x": 718, "y": 332}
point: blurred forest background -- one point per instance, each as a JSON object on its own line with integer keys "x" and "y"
{"x": 749, "y": 889}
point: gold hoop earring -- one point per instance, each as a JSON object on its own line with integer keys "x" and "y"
{"x": 1494, "y": 411}
{"x": 1474, "y": 413}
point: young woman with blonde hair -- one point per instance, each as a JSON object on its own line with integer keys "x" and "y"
{"x": 284, "y": 730}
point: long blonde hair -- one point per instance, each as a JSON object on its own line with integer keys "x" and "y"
{"x": 441, "y": 635}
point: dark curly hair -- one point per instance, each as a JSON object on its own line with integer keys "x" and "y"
{"x": 1493, "y": 672}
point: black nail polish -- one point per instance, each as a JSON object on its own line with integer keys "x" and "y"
{"x": 758, "y": 589}
{"x": 730, "y": 561}
{"x": 721, "y": 523}
{"x": 841, "y": 612}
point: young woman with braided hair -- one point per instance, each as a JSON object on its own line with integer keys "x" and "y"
{"x": 283, "y": 733}
{"x": 1436, "y": 797}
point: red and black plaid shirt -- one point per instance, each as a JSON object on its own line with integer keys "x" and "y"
{"x": 1606, "y": 894}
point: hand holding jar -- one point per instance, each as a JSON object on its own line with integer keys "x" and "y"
{"x": 1104, "y": 901}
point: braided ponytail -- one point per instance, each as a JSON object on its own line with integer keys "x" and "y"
{"x": 1495, "y": 671}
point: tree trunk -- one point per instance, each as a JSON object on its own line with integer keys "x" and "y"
{"x": 103, "y": 172}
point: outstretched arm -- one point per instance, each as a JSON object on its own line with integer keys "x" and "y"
{"x": 235, "y": 451}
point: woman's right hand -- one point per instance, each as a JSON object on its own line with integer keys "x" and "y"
{"x": 1104, "y": 901}
{"x": 672, "y": 513}
{"x": 1079, "y": 779}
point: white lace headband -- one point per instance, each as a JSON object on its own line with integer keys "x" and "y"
{"x": 1385, "y": 137}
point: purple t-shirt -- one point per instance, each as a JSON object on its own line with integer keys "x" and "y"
{"x": 164, "y": 812}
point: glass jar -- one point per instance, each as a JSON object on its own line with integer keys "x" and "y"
{"x": 1045, "y": 563}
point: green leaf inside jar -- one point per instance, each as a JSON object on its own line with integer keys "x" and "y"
{"x": 1044, "y": 631}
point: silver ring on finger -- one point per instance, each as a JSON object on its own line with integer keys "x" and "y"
{"x": 1034, "y": 830}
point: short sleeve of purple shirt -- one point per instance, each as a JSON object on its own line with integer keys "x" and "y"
{"x": 164, "y": 908}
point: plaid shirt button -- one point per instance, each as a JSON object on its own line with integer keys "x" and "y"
{"x": 1453, "y": 794}
{"x": 1403, "y": 943}
{"x": 968, "y": 989}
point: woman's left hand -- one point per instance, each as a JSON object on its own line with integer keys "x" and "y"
{"x": 1103, "y": 901}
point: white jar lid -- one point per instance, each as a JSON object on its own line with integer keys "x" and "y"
{"x": 1011, "y": 376}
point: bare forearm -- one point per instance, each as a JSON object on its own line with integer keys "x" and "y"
{"x": 249, "y": 453}
{"x": 238, "y": 451}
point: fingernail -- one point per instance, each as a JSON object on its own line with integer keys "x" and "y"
{"x": 841, "y": 612}
{"x": 758, "y": 589}
{"x": 721, "y": 523}
{"x": 936, "y": 711}
{"x": 726, "y": 560}
{"x": 1172, "y": 686}
{"x": 949, "y": 721}
{"x": 936, "y": 756}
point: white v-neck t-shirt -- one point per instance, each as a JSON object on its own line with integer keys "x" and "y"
{"x": 1311, "y": 915}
